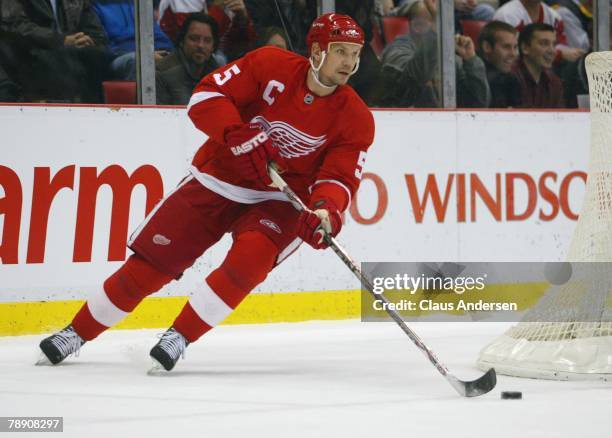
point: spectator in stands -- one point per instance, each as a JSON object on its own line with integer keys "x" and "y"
{"x": 295, "y": 16}
{"x": 58, "y": 49}
{"x": 481, "y": 10}
{"x": 539, "y": 86}
{"x": 473, "y": 10}
{"x": 272, "y": 36}
{"x": 9, "y": 92}
{"x": 498, "y": 43}
{"x": 384, "y": 7}
{"x": 578, "y": 24}
{"x": 409, "y": 71}
{"x": 575, "y": 82}
{"x": 577, "y": 16}
{"x": 117, "y": 18}
{"x": 520, "y": 13}
{"x": 367, "y": 79}
{"x": 236, "y": 31}
{"x": 179, "y": 72}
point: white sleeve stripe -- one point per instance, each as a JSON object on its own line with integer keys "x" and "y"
{"x": 103, "y": 309}
{"x": 333, "y": 181}
{"x": 209, "y": 307}
{"x": 201, "y": 97}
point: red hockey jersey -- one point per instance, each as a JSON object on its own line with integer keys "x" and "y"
{"x": 323, "y": 139}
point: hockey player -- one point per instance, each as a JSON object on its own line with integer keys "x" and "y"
{"x": 269, "y": 106}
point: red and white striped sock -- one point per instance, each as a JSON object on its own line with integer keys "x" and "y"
{"x": 121, "y": 293}
{"x": 247, "y": 264}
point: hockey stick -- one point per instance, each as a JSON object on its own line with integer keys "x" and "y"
{"x": 474, "y": 388}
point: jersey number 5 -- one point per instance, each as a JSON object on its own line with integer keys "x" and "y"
{"x": 360, "y": 163}
{"x": 222, "y": 78}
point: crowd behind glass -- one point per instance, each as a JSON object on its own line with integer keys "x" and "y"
{"x": 509, "y": 53}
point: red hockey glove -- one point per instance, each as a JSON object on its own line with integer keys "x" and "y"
{"x": 252, "y": 150}
{"x": 313, "y": 225}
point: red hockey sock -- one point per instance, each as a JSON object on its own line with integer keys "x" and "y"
{"x": 189, "y": 324}
{"x": 122, "y": 292}
{"x": 247, "y": 264}
{"x": 86, "y": 325}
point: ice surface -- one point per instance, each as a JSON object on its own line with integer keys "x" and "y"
{"x": 317, "y": 379}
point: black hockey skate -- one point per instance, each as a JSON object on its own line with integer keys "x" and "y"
{"x": 59, "y": 346}
{"x": 167, "y": 351}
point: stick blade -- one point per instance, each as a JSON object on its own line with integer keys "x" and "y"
{"x": 474, "y": 388}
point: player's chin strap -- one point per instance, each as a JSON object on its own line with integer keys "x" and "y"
{"x": 315, "y": 70}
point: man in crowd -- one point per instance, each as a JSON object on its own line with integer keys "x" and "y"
{"x": 117, "y": 17}
{"x": 236, "y": 32}
{"x": 178, "y": 73}
{"x": 409, "y": 73}
{"x": 272, "y": 36}
{"x": 294, "y": 16}
{"x": 539, "y": 86}
{"x": 8, "y": 89}
{"x": 57, "y": 49}
{"x": 520, "y": 13}
{"x": 577, "y": 16}
{"x": 498, "y": 43}
{"x": 271, "y": 106}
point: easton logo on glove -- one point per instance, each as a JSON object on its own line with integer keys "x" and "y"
{"x": 252, "y": 150}
{"x": 250, "y": 144}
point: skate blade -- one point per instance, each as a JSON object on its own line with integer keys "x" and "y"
{"x": 43, "y": 360}
{"x": 156, "y": 369}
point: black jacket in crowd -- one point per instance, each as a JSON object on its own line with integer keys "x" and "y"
{"x": 31, "y": 22}
{"x": 505, "y": 88}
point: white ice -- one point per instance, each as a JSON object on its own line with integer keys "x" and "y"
{"x": 317, "y": 379}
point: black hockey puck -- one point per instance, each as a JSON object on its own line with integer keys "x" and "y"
{"x": 511, "y": 395}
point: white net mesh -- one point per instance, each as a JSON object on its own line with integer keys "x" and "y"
{"x": 571, "y": 348}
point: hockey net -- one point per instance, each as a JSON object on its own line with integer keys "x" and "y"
{"x": 577, "y": 343}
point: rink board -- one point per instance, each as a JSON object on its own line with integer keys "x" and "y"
{"x": 41, "y": 317}
{"x": 438, "y": 186}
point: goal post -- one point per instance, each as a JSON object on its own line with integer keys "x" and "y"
{"x": 567, "y": 335}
